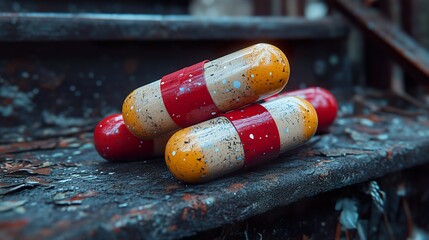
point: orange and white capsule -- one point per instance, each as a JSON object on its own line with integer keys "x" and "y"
{"x": 240, "y": 138}
{"x": 205, "y": 90}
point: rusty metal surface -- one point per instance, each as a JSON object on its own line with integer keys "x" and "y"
{"x": 404, "y": 49}
{"x": 107, "y": 26}
{"x": 61, "y": 188}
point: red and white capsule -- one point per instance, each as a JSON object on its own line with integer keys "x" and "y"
{"x": 322, "y": 100}
{"x": 205, "y": 90}
{"x": 115, "y": 143}
{"x": 240, "y": 138}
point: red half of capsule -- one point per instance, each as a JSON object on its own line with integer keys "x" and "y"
{"x": 258, "y": 133}
{"x": 115, "y": 143}
{"x": 322, "y": 100}
{"x": 186, "y": 96}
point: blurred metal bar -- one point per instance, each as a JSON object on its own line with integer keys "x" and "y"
{"x": 65, "y": 27}
{"x": 403, "y": 48}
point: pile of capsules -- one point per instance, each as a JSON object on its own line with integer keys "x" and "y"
{"x": 206, "y": 120}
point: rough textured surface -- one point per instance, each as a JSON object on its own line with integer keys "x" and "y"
{"x": 60, "y": 188}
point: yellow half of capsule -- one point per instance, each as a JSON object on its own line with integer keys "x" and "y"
{"x": 184, "y": 157}
{"x": 267, "y": 63}
{"x": 310, "y": 118}
{"x": 131, "y": 118}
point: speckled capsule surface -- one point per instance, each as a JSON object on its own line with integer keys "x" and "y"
{"x": 205, "y": 90}
{"x": 322, "y": 100}
{"x": 115, "y": 143}
{"x": 243, "y": 137}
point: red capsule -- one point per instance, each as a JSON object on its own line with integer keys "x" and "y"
{"x": 323, "y": 101}
{"x": 115, "y": 143}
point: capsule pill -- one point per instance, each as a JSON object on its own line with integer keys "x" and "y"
{"x": 243, "y": 137}
{"x": 205, "y": 90}
{"x": 322, "y": 100}
{"x": 115, "y": 143}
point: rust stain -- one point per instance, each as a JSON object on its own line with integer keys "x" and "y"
{"x": 42, "y": 171}
{"x": 189, "y": 197}
{"x": 115, "y": 219}
{"x": 324, "y": 174}
{"x": 29, "y": 146}
{"x": 116, "y": 230}
{"x": 185, "y": 214}
{"x": 171, "y": 187}
{"x": 7, "y": 101}
{"x": 13, "y": 224}
{"x": 389, "y": 154}
{"x": 37, "y": 180}
{"x": 63, "y": 144}
{"x": 25, "y": 166}
{"x": 236, "y": 187}
{"x": 76, "y": 199}
{"x": 197, "y": 206}
{"x": 63, "y": 224}
{"x": 146, "y": 213}
{"x": 138, "y": 214}
{"x": 45, "y": 233}
{"x": 51, "y": 231}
